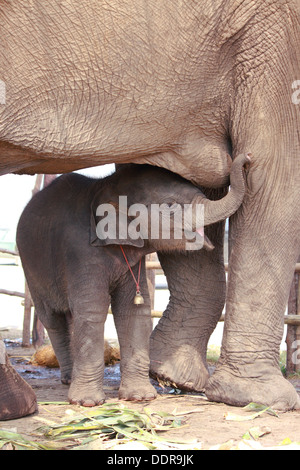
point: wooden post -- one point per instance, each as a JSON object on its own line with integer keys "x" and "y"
{"x": 48, "y": 179}
{"x": 38, "y": 332}
{"x": 27, "y": 301}
{"x": 37, "y": 184}
{"x": 27, "y": 318}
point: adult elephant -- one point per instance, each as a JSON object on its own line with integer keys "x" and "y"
{"x": 187, "y": 86}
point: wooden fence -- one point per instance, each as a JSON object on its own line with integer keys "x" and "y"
{"x": 292, "y": 319}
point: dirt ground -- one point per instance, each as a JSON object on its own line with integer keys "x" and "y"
{"x": 205, "y": 421}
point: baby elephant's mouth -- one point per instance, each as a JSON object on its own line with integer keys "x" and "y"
{"x": 197, "y": 239}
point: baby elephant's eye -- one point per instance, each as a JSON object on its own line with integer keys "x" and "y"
{"x": 172, "y": 205}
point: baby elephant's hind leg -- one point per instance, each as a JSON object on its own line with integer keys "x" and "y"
{"x": 134, "y": 326}
{"x": 58, "y": 326}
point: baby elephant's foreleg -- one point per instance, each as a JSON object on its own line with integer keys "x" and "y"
{"x": 134, "y": 326}
{"x": 88, "y": 351}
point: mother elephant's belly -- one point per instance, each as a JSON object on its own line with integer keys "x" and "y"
{"x": 207, "y": 164}
{"x": 204, "y": 161}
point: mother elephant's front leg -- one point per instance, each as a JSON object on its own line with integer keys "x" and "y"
{"x": 178, "y": 344}
{"x": 264, "y": 253}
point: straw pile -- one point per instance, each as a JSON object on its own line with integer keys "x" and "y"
{"x": 45, "y": 356}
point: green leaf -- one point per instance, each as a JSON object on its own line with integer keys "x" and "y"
{"x": 20, "y": 442}
{"x": 53, "y": 403}
{"x": 258, "y": 408}
{"x": 109, "y": 421}
{"x": 256, "y": 432}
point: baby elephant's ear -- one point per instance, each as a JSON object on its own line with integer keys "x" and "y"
{"x": 109, "y": 227}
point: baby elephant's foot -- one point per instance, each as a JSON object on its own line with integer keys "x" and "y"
{"x": 136, "y": 392}
{"x": 85, "y": 395}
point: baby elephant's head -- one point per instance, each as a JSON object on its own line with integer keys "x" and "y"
{"x": 143, "y": 205}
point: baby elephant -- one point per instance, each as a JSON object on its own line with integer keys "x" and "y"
{"x": 82, "y": 243}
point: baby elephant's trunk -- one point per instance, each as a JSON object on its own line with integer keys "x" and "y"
{"x": 214, "y": 211}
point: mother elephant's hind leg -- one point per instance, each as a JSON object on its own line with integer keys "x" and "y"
{"x": 197, "y": 285}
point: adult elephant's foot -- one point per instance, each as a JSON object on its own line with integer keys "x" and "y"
{"x": 137, "y": 392}
{"x": 87, "y": 394}
{"x": 180, "y": 366}
{"x": 270, "y": 390}
{"x": 17, "y": 399}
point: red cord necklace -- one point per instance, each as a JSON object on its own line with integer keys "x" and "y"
{"x": 138, "y": 299}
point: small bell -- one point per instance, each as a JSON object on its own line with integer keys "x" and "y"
{"x": 138, "y": 298}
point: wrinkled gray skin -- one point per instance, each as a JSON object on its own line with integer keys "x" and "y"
{"x": 73, "y": 275}
{"x": 187, "y": 86}
{"x": 16, "y": 396}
